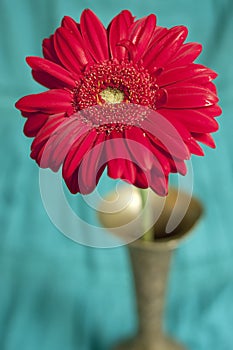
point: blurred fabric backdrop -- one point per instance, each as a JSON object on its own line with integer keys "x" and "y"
{"x": 56, "y": 294}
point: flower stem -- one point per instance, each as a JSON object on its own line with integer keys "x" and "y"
{"x": 146, "y": 218}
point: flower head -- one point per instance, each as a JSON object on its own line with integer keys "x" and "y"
{"x": 128, "y": 98}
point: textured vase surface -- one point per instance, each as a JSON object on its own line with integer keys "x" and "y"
{"x": 150, "y": 267}
{"x": 179, "y": 212}
{"x": 150, "y": 264}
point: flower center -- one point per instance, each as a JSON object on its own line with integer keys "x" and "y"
{"x": 113, "y": 82}
{"x": 116, "y": 93}
{"x": 112, "y": 95}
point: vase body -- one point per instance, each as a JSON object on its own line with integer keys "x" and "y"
{"x": 151, "y": 259}
{"x": 150, "y": 265}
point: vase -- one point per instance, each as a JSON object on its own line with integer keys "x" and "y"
{"x": 150, "y": 267}
{"x": 150, "y": 262}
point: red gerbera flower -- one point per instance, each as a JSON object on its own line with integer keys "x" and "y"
{"x": 128, "y": 97}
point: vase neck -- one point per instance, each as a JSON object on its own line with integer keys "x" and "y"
{"x": 150, "y": 270}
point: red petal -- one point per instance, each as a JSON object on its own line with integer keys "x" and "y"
{"x": 77, "y": 152}
{"x": 74, "y": 28}
{"x": 185, "y": 55}
{"x": 160, "y": 155}
{"x": 34, "y": 123}
{"x": 52, "y": 101}
{"x": 116, "y": 168}
{"x": 131, "y": 173}
{"x": 194, "y": 119}
{"x": 159, "y": 33}
{"x": 178, "y": 166}
{"x": 205, "y": 138}
{"x": 71, "y": 25}
{"x": 188, "y": 73}
{"x": 48, "y": 129}
{"x": 211, "y": 86}
{"x": 166, "y": 135}
{"x": 50, "y": 158}
{"x": 61, "y": 140}
{"x": 186, "y": 137}
{"x": 212, "y": 111}
{"x": 118, "y": 30}
{"x": 139, "y": 148}
{"x": 112, "y": 158}
{"x": 46, "y": 80}
{"x": 187, "y": 95}
{"x": 161, "y": 52}
{"x": 88, "y": 175}
{"x": 95, "y": 36}
{"x": 125, "y": 170}
{"x": 184, "y": 133}
{"x": 143, "y": 156}
{"x": 160, "y": 184}
{"x": 72, "y": 182}
{"x": 169, "y": 163}
{"x": 119, "y": 159}
{"x": 141, "y": 34}
{"x": 49, "y": 50}
{"x": 142, "y": 27}
{"x": 141, "y": 179}
{"x": 44, "y": 134}
{"x": 166, "y": 160}
{"x": 195, "y": 148}
{"x": 160, "y": 98}
{"x": 69, "y": 50}
{"x": 130, "y": 47}
{"x": 204, "y": 80}
{"x": 115, "y": 156}
{"x": 50, "y": 74}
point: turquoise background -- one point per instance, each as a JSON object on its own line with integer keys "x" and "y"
{"x": 56, "y": 294}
